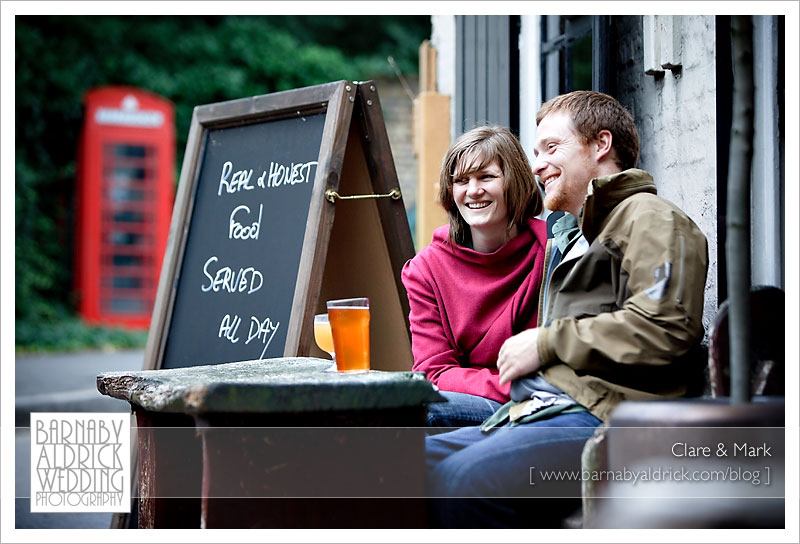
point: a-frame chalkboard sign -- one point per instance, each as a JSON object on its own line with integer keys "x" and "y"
{"x": 261, "y": 238}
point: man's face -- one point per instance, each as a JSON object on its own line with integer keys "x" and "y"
{"x": 564, "y": 164}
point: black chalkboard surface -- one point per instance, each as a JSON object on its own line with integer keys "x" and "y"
{"x": 243, "y": 250}
{"x": 260, "y": 237}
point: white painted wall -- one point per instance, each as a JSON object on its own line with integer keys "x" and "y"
{"x": 676, "y": 118}
{"x": 530, "y": 88}
{"x": 443, "y": 38}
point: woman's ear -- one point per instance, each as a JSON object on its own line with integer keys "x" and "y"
{"x": 602, "y": 144}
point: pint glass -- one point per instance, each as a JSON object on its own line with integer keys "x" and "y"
{"x": 349, "y": 320}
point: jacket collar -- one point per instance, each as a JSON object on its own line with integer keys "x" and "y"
{"x": 605, "y": 192}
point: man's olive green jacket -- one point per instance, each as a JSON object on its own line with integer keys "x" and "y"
{"x": 621, "y": 317}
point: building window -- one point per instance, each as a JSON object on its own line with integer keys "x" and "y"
{"x": 574, "y": 54}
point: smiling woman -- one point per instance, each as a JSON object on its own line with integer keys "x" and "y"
{"x": 477, "y": 283}
{"x": 480, "y": 201}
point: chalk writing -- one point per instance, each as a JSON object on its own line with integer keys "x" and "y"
{"x": 261, "y": 330}
{"x": 228, "y": 327}
{"x": 239, "y": 181}
{"x": 237, "y": 231}
{"x": 281, "y": 174}
{"x": 244, "y": 224}
{"x": 225, "y": 279}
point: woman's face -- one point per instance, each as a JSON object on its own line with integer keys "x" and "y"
{"x": 480, "y": 200}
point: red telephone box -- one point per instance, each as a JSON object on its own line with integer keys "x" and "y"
{"x": 125, "y": 196}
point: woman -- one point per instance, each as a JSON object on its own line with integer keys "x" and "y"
{"x": 477, "y": 283}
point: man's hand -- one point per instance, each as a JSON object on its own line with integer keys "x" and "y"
{"x": 518, "y": 356}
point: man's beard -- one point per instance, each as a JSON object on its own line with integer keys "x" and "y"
{"x": 556, "y": 201}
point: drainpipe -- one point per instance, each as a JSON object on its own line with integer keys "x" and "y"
{"x": 737, "y": 246}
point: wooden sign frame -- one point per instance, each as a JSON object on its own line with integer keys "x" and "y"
{"x": 368, "y": 235}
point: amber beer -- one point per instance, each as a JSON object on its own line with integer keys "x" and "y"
{"x": 349, "y": 320}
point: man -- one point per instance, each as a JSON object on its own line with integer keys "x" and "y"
{"x": 619, "y": 313}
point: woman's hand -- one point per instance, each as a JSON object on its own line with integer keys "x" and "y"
{"x": 518, "y": 356}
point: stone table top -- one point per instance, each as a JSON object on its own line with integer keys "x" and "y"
{"x": 282, "y": 385}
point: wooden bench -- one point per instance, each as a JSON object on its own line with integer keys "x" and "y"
{"x": 641, "y": 434}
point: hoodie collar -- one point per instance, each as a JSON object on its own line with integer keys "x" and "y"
{"x": 528, "y": 231}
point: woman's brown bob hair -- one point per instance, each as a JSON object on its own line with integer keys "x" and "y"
{"x": 476, "y": 149}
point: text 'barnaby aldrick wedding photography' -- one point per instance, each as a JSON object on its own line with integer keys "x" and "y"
{"x": 80, "y": 462}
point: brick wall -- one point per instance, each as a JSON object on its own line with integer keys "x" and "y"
{"x": 397, "y": 114}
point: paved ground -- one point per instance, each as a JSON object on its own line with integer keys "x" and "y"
{"x": 67, "y": 382}
{"x": 60, "y": 383}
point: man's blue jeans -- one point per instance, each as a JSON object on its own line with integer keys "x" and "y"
{"x": 506, "y": 478}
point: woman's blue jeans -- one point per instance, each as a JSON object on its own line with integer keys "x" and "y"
{"x": 460, "y": 410}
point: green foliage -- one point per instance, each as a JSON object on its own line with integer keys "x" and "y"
{"x": 71, "y": 334}
{"x": 190, "y": 60}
